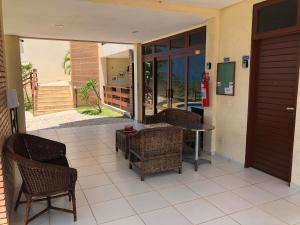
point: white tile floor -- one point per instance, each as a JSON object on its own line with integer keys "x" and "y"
{"x": 108, "y": 193}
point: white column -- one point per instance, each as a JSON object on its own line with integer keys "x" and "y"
{"x": 14, "y": 74}
{"x": 138, "y": 81}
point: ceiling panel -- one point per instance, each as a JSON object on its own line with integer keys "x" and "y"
{"x": 216, "y": 4}
{"x": 83, "y": 20}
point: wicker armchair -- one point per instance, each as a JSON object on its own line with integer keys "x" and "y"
{"x": 44, "y": 170}
{"x": 156, "y": 150}
{"x": 177, "y": 117}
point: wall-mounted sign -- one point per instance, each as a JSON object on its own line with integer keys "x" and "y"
{"x": 245, "y": 61}
{"x": 226, "y": 78}
{"x": 246, "y": 57}
{"x": 226, "y": 59}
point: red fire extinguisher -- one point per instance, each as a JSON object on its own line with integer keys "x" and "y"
{"x": 205, "y": 90}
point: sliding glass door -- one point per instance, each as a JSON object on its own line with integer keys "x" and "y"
{"x": 173, "y": 71}
{"x": 196, "y": 68}
{"x": 148, "y": 88}
{"x": 177, "y": 81}
{"x": 162, "y": 84}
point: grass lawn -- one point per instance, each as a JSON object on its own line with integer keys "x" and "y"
{"x": 107, "y": 112}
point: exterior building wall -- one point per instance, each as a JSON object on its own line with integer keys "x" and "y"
{"x": 47, "y": 56}
{"x": 84, "y": 61}
{"x": 84, "y": 64}
{"x": 115, "y": 66}
{"x": 6, "y": 168}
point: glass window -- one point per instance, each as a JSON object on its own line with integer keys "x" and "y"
{"x": 147, "y": 49}
{"x": 277, "y": 16}
{"x": 196, "y": 68}
{"x": 178, "y": 43}
{"x": 178, "y": 82}
{"x": 148, "y": 88}
{"x": 162, "y": 84}
{"x": 161, "y": 47}
{"x": 198, "y": 38}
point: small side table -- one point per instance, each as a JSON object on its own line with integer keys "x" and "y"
{"x": 198, "y": 129}
{"x": 122, "y": 141}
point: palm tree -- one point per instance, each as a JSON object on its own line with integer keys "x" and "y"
{"x": 67, "y": 63}
{"x": 26, "y": 72}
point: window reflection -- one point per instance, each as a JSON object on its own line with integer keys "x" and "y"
{"x": 196, "y": 67}
{"x": 178, "y": 82}
{"x": 148, "y": 88}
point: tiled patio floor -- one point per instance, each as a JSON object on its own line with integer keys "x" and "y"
{"x": 108, "y": 193}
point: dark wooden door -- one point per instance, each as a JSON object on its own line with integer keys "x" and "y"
{"x": 276, "y": 66}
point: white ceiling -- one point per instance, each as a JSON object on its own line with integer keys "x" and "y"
{"x": 216, "y": 4}
{"x": 84, "y": 20}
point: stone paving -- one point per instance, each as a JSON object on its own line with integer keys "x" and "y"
{"x": 69, "y": 118}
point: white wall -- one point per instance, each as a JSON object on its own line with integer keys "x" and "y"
{"x": 47, "y": 57}
{"x": 115, "y": 67}
{"x": 108, "y": 50}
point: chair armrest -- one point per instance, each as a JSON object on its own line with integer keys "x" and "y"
{"x": 41, "y": 149}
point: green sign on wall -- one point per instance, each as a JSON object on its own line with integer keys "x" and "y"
{"x": 226, "y": 78}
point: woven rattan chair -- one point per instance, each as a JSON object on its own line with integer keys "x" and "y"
{"x": 177, "y": 117}
{"x": 44, "y": 170}
{"x": 156, "y": 150}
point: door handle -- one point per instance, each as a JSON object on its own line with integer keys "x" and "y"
{"x": 289, "y": 108}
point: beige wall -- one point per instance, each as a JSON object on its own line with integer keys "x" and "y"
{"x": 231, "y": 117}
{"x": 296, "y": 153}
{"x": 212, "y": 46}
{"x": 47, "y": 57}
{"x": 115, "y": 66}
{"x": 229, "y": 114}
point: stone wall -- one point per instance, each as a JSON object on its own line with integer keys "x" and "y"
{"x": 6, "y": 169}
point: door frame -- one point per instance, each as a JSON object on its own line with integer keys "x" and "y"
{"x": 255, "y": 40}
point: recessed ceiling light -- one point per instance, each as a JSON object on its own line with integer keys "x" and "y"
{"x": 135, "y": 31}
{"x": 59, "y": 25}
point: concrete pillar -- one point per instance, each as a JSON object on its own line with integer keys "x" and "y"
{"x": 138, "y": 81}
{"x": 14, "y": 74}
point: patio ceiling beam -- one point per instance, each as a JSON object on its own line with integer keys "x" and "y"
{"x": 161, "y": 5}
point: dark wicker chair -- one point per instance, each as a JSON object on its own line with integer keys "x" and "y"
{"x": 156, "y": 150}
{"x": 177, "y": 117}
{"x": 44, "y": 170}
